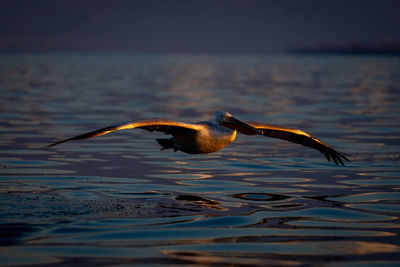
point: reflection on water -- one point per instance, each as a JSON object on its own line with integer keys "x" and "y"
{"x": 117, "y": 199}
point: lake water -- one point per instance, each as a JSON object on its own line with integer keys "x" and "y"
{"x": 119, "y": 200}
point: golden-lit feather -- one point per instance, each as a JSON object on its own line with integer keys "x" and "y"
{"x": 160, "y": 125}
{"x": 299, "y": 137}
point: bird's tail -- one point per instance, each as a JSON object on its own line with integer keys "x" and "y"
{"x": 166, "y": 143}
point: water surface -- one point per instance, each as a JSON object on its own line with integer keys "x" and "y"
{"x": 118, "y": 200}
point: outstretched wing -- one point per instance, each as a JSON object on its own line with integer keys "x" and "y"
{"x": 160, "y": 125}
{"x": 299, "y": 137}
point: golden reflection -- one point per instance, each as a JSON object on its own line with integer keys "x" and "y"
{"x": 190, "y": 83}
{"x": 201, "y": 201}
{"x": 172, "y": 171}
{"x": 181, "y": 162}
{"x": 182, "y": 175}
{"x": 363, "y": 248}
{"x": 340, "y": 176}
{"x": 246, "y": 174}
{"x": 224, "y": 259}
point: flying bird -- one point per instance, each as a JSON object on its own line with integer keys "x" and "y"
{"x": 208, "y": 137}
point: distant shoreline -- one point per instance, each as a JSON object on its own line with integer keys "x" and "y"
{"x": 347, "y": 50}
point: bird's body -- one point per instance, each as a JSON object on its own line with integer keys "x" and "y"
{"x": 208, "y": 137}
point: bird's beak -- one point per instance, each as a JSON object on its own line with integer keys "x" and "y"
{"x": 241, "y": 126}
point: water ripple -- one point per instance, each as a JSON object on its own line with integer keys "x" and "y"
{"x": 118, "y": 200}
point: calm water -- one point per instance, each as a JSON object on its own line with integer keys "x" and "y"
{"x": 119, "y": 200}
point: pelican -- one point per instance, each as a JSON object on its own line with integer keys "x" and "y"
{"x": 207, "y": 137}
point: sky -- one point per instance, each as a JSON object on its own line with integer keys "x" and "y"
{"x": 193, "y": 26}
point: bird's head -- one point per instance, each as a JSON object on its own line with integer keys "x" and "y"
{"x": 222, "y": 116}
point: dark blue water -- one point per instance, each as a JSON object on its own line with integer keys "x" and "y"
{"x": 119, "y": 200}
